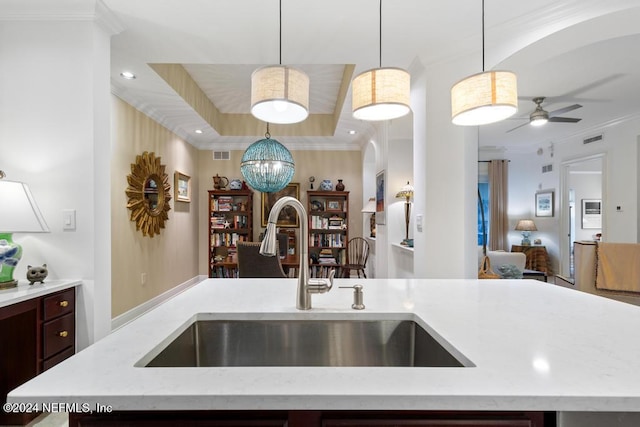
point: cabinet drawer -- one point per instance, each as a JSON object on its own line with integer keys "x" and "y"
{"x": 59, "y": 304}
{"x": 58, "y": 334}
{"x": 53, "y": 361}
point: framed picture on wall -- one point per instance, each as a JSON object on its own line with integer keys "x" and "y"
{"x": 182, "y": 187}
{"x": 288, "y": 216}
{"x": 544, "y": 203}
{"x": 591, "y": 213}
{"x": 380, "y": 208}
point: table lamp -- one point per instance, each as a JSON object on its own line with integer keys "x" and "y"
{"x": 406, "y": 192}
{"x": 526, "y": 226}
{"x": 370, "y": 207}
{"x": 19, "y": 214}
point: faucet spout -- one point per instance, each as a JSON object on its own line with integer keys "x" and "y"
{"x": 306, "y": 287}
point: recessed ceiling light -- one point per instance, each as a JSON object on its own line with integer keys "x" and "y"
{"x": 128, "y": 75}
{"x": 352, "y": 132}
{"x": 198, "y": 130}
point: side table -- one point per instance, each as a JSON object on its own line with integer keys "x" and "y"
{"x": 537, "y": 257}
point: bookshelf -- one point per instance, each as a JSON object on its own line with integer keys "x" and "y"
{"x": 328, "y": 213}
{"x": 230, "y": 221}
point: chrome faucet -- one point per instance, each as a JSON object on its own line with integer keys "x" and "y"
{"x": 306, "y": 286}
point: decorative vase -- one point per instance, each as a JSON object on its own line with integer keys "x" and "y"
{"x": 326, "y": 185}
{"x": 339, "y": 186}
{"x": 235, "y": 184}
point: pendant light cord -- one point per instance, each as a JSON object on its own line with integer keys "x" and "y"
{"x": 482, "y": 35}
{"x": 380, "y": 36}
{"x": 280, "y": 34}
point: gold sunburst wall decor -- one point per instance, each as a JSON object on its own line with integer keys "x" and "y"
{"x": 149, "y": 193}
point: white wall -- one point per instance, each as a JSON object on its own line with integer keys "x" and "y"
{"x": 620, "y": 179}
{"x": 55, "y": 136}
{"x": 445, "y": 173}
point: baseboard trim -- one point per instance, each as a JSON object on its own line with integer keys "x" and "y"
{"x": 124, "y": 318}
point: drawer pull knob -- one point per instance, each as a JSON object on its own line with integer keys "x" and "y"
{"x": 63, "y": 303}
{"x": 63, "y": 334}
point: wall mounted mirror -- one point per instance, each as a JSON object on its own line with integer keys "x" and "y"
{"x": 149, "y": 193}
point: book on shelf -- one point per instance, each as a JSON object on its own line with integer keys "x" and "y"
{"x": 240, "y": 221}
{"x": 227, "y": 239}
{"x": 336, "y": 223}
{"x": 225, "y": 203}
{"x": 328, "y": 240}
{"x": 218, "y": 221}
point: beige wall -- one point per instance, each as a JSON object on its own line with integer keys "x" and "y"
{"x": 170, "y": 258}
{"x": 333, "y": 165}
{"x": 179, "y": 252}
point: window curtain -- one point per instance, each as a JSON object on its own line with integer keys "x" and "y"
{"x": 498, "y": 201}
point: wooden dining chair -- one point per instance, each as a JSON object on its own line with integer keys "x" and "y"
{"x": 357, "y": 255}
{"x": 252, "y": 264}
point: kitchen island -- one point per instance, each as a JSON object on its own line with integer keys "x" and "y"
{"x": 533, "y": 347}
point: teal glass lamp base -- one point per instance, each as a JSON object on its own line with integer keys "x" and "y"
{"x": 525, "y": 238}
{"x": 10, "y": 254}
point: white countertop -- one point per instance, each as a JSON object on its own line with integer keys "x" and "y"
{"x": 536, "y": 346}
{"x": 24, "y": 291}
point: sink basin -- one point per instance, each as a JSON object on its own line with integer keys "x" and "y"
{"x": 216, "y": 343}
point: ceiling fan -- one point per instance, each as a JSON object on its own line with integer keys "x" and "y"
{"x": 540, "y": 116}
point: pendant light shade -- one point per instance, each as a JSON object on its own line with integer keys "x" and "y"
{"x": 381, "y": 94}
{"x": 267, "y": 165}
{"x": 279, "y": 94}
{"x": 484, "y": 98}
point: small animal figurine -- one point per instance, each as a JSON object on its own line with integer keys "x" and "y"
{"x": 37, "y": 274}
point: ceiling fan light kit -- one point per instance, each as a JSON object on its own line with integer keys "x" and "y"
{"x": 484, "y": 98}
{"x": 279, "y": 94}
{"x": 540, "y": 116}
{"x": 381, "y": 93}
{"x": 538, "y": 119}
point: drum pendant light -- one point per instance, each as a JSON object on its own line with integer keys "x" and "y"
{"x": 484, "y": 98}
{"x": 381, "y": 93}
{"x": 267, "y": 165}
{"x": 279, "y": 94}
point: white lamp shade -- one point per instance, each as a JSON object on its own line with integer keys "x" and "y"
{"x": 526, "y": 225}
{"x": 19, "y": 212}
{"x": 381, "y": 94}
{"x": 370, "y": 207}
{"x": 484, "y": 98}
{"x": 279, "y": 94}
{"x": 406, "y": 192}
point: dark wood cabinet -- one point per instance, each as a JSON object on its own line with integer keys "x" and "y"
{"x": 318, "y": 418}
{"x": 537, "y": 258}
{"x": 35, "y": 335}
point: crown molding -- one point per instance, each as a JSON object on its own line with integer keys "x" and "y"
{"x": 62, "y": 10}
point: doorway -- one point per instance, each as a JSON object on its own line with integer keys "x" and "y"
{"x": 583, "y": 187}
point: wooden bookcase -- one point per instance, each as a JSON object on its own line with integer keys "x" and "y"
{"x": 230, "y": 221}
{"x": 328, "y": 213}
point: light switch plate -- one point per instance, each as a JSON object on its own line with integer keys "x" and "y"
{"x": 419, "y": 222}
{"x": 69, "y": 219}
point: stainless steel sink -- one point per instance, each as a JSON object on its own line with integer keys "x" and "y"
{"x": 402, "y": 343}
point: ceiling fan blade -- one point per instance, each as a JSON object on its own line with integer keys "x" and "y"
{"x": 564, "y": 110}
{"x": 564, "y": 120}
{"x": 517, "y": 127}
